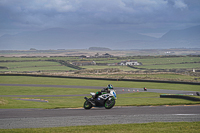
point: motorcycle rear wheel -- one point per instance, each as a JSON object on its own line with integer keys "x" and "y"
{"x": 87, "y": 105}
{"x": 109, "y": 103}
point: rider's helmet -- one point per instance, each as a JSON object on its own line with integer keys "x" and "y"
{"x": 110, "y": 86}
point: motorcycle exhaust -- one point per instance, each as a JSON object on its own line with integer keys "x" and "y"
{"x": 89, "y": 101}
{"x": 86, "y": 98}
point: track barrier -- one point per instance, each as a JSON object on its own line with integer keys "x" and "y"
{"x": 182, "y": 96}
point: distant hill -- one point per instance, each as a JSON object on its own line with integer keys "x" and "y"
{"x": 99, "y": 49}
{"x": 60, "y": 38}
{"x": 189, "y": 33}
{"x": 188, "y": 38}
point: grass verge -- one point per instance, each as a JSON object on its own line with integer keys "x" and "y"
{"x": 154, "y": 127}
{"x": 131, "y": 99}
{"x": 87, "y": 82}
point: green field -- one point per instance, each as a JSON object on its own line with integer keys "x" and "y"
{"x": 103, "y": 83}
{"x": 168, "y": 60}
{"x": 40, "y": 65}
{"x": 34, "y": 66}
{"x": 124, "y": 68}
{"x": 154, "y": 127}
{"x": 150, "y": 62}
{"x": 152, "y": 76}
{"x": 130, "y": 99}
{"x": 172, "y": 66}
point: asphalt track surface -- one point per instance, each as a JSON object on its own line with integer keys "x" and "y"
{"x": 38, "y": 118}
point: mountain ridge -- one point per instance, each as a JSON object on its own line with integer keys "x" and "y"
{"x": 61, "y": 38}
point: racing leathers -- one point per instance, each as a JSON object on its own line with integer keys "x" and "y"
{"x": 100, "y": 92}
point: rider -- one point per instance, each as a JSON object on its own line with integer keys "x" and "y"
{"x": 107, "y": 90}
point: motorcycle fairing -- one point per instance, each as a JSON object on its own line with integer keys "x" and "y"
{"x": 99, "y": 102}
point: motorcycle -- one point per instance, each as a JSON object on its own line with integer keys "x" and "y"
{"x": 106, "y": 100}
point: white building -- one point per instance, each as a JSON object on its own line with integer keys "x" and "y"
{"x": 131, "y": 63}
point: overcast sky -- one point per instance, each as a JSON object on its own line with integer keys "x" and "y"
{"x": 152, "y": 17}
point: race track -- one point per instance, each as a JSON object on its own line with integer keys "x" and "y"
{"x": 36, "y": 118}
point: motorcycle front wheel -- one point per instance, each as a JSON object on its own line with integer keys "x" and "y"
{"x": 109, "y": 103}
{"x": 87, "y": 105}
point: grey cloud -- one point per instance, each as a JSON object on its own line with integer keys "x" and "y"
{"x": 62, "y": 13}
{"x": 180, "y": 4}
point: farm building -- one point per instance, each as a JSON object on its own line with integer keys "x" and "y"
{"x": 131, "y": 63}
{"x": 106, "y": 55}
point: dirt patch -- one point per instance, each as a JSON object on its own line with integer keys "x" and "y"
{"x": 3, "y": 101}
